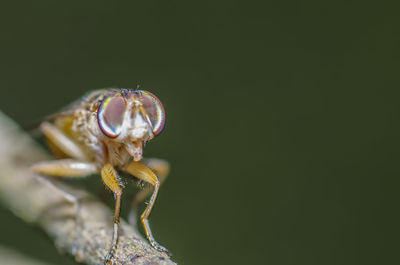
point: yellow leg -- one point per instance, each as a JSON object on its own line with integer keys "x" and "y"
{"x": 144, "y": 173}
{"x": 62, "y": 141}
{"x": 64, "y": 168}
{"x": 110, "y": 179}
{"x": 161, "y": 168}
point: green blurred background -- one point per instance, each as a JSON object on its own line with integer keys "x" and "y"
{"x": 282, "y": 118}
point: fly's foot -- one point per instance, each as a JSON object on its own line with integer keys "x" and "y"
{"x": 111, "y": 253}
{"x": 108, "y": 259}
{"x": 158, "y": 247}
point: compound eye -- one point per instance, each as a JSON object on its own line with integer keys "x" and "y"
{"x": 155, "y": 110}
{"x": 110, "y": 115}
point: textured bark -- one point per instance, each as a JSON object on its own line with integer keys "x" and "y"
{"x": 35, "y": 201}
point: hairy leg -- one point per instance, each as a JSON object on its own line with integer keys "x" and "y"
{"x": 144, "y": 173}
{"x": 110, "y": 179}
{"x": 161, "y": 168}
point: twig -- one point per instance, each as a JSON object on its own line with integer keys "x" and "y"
{"x": 34, "y": 201}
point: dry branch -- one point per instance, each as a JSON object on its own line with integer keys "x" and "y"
{"x": 34, "y": 201}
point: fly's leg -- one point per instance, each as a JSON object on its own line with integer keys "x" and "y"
{"x": 144, "y": 173}
{"x": 66, "y": 168}
{"x": 110, "y": 179}
{"x": 161, "y": 168}
{"x": 62, "y": 141}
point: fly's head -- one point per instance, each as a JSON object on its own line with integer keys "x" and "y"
{"x": 130, "y": 118}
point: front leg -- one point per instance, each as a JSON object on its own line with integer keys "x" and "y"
{"x": 142, "y": 172}
{"x": 161, "y": 168}
{"x": 110, "y": 178}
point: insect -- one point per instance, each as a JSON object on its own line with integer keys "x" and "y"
{"x": 105, "y": 133}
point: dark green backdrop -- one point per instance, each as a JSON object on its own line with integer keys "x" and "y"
{"x": 283, "y": 118}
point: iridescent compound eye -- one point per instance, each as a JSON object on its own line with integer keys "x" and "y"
{"x": 155, "y": 110}
{"x": 110, "y": 115}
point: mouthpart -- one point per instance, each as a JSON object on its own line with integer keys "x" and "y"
{"x": 135, "y": 150}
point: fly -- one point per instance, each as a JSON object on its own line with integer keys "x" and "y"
{"x": 105, "y": 133}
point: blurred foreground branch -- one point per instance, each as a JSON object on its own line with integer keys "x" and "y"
{"x": 10, "y": 257}
{"x": 34, "y": 201}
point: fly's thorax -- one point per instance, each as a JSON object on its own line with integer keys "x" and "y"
{"x": 86, "y": 131}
